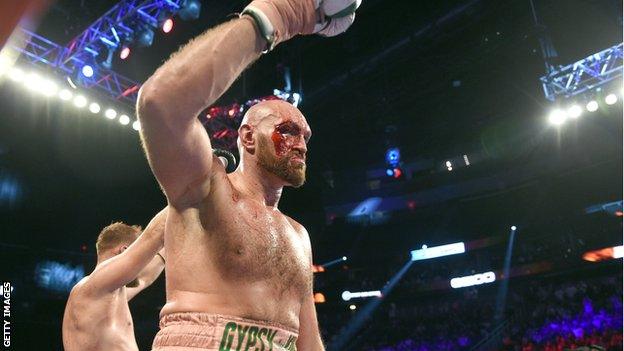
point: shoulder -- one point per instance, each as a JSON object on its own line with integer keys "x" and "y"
{"x": 80, "y": 290}
{"x": 299, "y": 228}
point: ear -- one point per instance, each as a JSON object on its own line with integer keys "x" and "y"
{"x": 247, "y": 138}
{"x": 121, "y": 249}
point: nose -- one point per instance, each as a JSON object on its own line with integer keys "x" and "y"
{"x": 301, "y": 146}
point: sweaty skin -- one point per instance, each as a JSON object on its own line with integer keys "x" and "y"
{"x": 230, "y": 250}
{"x": 97, "y": 316}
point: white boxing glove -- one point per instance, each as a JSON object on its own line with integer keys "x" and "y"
{"x": 280, "y": 20}
{"x": 338, "y": 14}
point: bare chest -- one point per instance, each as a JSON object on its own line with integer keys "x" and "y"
{"x": 103, "y": 323}
{"x": 256, "y": 244}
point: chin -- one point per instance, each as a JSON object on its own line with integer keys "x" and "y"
{"x": 296, "y": 180}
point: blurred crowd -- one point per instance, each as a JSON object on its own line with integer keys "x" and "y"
{"x": 537, "y": 314}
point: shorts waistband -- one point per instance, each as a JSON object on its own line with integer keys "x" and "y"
{"x": 207, "y": 331}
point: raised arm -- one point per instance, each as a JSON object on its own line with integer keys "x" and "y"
{"x": 120, "y": 270}
{"x": 148, "y": 275}
{"x": 177, "y": 145}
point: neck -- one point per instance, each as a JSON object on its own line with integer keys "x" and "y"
{"x": 259, "y": 184}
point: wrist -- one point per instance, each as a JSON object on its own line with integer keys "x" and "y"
{"x": 262, "y": 25}
{"x": 161, "y": 256}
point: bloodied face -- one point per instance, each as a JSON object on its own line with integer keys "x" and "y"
{"x": 283, "y": 151}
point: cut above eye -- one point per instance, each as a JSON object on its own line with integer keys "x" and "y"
{"x": 286, "y": 129}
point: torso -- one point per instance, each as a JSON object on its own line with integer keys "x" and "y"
{"x": 94, "y": 323}
{"x": 232, "y": 255}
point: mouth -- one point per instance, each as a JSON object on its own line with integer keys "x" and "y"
{"x": 298, "y": 159}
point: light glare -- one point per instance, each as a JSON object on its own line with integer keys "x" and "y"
{"x": 168, "y": 25}
{"x": 136, "y": 125}
{"x": 33, "y": 81}
{"x": 80, "y": 101}
{"x": 87, "y": 71}
{"x": 16, "y": 75}
{"x": 48, "y": 88}
{"x": 610, "y": 99}
{"x": 125, "y": 52}
{"x": 557, "y": 117}
{"x": 110, "y": 113}
{"x": 94, "y": 107}
{"x": 65, "y": 94}
{"x": 592, "y": 106}
{"x": 575, "y": 111}
{"x": 123, "y": 119}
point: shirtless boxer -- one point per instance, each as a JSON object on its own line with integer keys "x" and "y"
{"x": 97, "y": 316}
{"x": 239, "y": 271}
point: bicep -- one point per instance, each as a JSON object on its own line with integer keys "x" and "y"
{"x": 121, "y": 269}
{"x": 179, "y": 153}
{"x": 113, "y": 274}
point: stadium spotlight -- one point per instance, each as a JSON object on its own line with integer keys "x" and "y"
{"x": 80, "y": 101}
{"x": 48, "y": 88}
{"x": 65, "y": 94}
{"x": 466, "y": 160}
{"x": 145, "y": 37}
{"x": 167, "y": 25}
{"x": 513, "y": 227}
{"x": 5, "y": 64}
{"x": 124, "y": 53}
{"x": 87, "y": 71}
{"x": 592, "y": 106}
{"x": 296, "y": 99}
{"x": 352, "y": 307}
{"x": 449, "y": 165}
{"x": 136, "y": 125}
{"x": 33, "y": 81}
{"x": 347, "y": 295}
{"x": 393, "y": 156}
{"x": 123, "y": 119}
{"x": 16, "y": 75}
{"x": 319, "y": 298}
{"x": 94, "y": 107}
{"x": 344, "y": 258}
{"x": 471, "y": 280}
{"x": 574, "y": 111}
{"x": 110, "y": 113}
{"x": 426, "y": 253}
{"x": 557, "y": 117}
{"x": 397, "y": 173}
{"x": 611, "y": 99}
{"x": 190, "y": 10}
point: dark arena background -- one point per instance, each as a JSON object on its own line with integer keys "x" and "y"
{"x": 464, "y": 187}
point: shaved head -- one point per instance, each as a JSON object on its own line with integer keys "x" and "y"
{"x": 275, "y": 133}
{"x": 275, "y": 108}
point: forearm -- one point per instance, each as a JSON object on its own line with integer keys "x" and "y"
{"x": 201, "y": 71}
{"x": 149, "y": 274}
{"x": 153, "y": 238}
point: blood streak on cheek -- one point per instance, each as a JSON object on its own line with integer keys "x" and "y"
{"x": 282, "y": 144}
